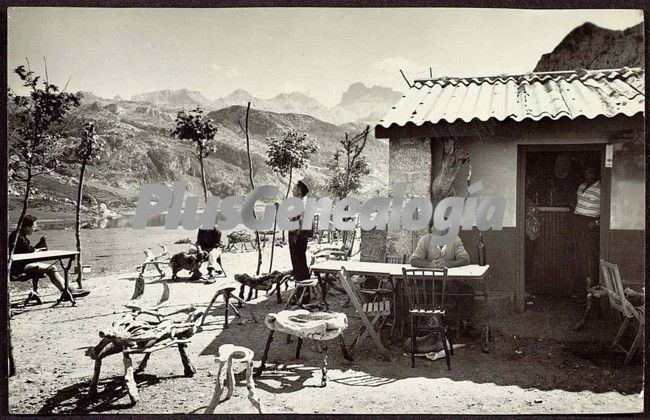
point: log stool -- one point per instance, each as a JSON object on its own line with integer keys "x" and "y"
{"x": 302, "y": 287}
{"x": 227, "y": 292}
{"x": 227, "y": 354}
{"x": 318, "y": 326}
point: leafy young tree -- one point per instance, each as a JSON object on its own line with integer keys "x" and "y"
{"x": 195, "y": 127}
{"x": 35, "y": 128}
{"x": 86, "y": 152}
{"x": 289, "y": 153}
{"x": 33, "y": 133}
{"x": 348, "y": 166}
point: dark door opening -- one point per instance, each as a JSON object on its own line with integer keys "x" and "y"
{"x": 554, "y": 267}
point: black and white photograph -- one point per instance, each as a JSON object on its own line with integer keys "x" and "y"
{"x": 325, "y": 210}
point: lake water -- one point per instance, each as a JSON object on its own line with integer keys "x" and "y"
{"x": 124, "y": 221}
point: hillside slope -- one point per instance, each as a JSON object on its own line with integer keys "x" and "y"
{"x": 591, "y": 47}
{"x": 139, "y": 150}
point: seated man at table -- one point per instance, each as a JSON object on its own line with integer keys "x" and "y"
{"x": 428, "y": 255}
{"x": 35, "y": 270}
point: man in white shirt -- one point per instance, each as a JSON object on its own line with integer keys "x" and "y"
{"x": 428, "y": 255}
{"x": 585, "y": 222}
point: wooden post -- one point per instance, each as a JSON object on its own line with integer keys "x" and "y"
{"x": 93, "y": 384}
{"x": 131, "y": 386}
{"x": 275, "y": 224}
{"x": 250, "y": 384}
{"x": 189, "y": 370}
{"x": 323, "y": 382}
{"x": 216, "y": 398}
{"x": 143, "y": 364}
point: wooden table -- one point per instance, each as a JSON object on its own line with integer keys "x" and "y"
{"x": 471, "y": 273}
{"x": 56, "y": 256}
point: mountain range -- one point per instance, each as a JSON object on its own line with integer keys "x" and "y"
{"x": 358, "y": 104}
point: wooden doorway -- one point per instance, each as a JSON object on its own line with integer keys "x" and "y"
{"x": 548, "y": 178}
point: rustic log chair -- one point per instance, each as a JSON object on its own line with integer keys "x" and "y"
{"x": 227, "y": 293}
{"x": 342, "y": 253}
{"x": 145, "y": 336}
{"x": 377, "y": 310}
{"x": 156, "y": 260}
{"x": 619, "y": 301}
{"x": 266, "y": 282}
{"x": 242, "y": 237}
{"x": 424, "y": 289}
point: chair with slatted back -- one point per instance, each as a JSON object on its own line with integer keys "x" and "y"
{"x": 424, "y": 291}
{"x": 619, "y": 301}
{"x": 378, "y": 311}
{"x": 385, "y": 289}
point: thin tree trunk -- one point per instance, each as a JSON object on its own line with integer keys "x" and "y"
{"x": 23, "y": 213}
{"x": 250, "y": 176}
{"x": 77, "y": 231}
{"x": 453, "y": 157}
{"x": 275, "y": 223}
{"x": 289, "y": 186}
{"x": 205, "y": 188}
{"x": 284, "y": 240}
{"x": 12, "y": 249}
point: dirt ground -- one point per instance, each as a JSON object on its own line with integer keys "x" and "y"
{"x": 536, "y": 364}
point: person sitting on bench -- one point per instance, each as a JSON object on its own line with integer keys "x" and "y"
{"x": 35, "y": 270}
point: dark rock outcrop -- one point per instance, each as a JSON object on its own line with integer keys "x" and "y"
{"x": 591, "y": 47}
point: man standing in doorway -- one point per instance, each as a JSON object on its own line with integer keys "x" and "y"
{"x": 585, "y": 227}
{"x": 298, "y": 240}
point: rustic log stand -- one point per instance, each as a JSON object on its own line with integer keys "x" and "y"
{"x": 227, "y": 293}
{"x": 136, "y": 336}
{"x": 227, "y": 354}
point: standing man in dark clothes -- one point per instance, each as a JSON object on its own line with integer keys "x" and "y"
{"x": 298, "y": 240}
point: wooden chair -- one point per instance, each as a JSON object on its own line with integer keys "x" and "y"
{"x": 383, "y": 291}
{"x": 424, "y": 289}
{"x": 377, "y": 310}
{"x": 391, "y": 293}
{"x": 619, "y": 301}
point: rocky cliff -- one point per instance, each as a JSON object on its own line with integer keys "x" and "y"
{"x": 591, "y": 47}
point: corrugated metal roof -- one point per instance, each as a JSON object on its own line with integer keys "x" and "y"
{"x": 531, "y": 96}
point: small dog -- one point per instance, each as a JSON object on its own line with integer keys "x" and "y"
{"x": 189, "y": 262}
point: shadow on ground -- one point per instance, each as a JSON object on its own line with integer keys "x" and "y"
{"x": 535, "y": 349}
{"x": 110, "y": 391}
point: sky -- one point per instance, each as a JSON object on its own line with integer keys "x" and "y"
{"x": 267, "y": 51}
